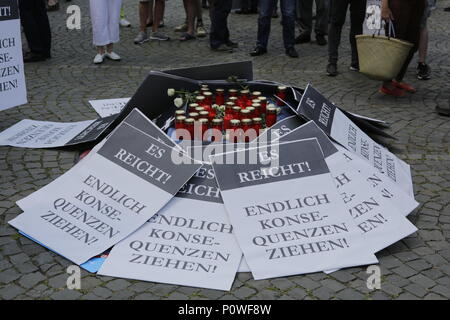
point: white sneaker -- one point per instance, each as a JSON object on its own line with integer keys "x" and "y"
{"x": 124, "y": 23}
{"x": 99, "y": 58}
{"x": 113, "y": 56}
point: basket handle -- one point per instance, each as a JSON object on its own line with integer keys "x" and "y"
{"x": 391, "y": 30}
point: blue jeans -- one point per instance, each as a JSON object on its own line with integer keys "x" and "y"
{"x": 266, "y": 8}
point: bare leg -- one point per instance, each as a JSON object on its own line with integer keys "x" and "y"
{"x": 143, "y": 15}
{"x": 190, "y": 14}
{"x": 150, "y": 12}
{"x": 423, "y": 45}
{"x": 100, "y": 49}
{"x": 109, "y": 47}
{"x": 159, "y": 14}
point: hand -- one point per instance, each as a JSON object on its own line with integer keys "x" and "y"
{"x": 386, "y": 14}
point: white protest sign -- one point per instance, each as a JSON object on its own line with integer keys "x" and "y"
{"x": 108, "y": 107}
{"x": 189, "y": 242}
{"x": 379, "y": 221}
{"x": 105, "y": 198}
{"x": 286, "y": 212}
{"x": 333, "y": 122}
{"x": 13, "y": 90}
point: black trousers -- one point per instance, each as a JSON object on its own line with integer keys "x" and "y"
{"x": 249, "y": 5}
{"x": 305, "y": 8}
{"x": 34, "y": 19}
{"x": 219, "y": 33}
{"x": 338, "y": 12}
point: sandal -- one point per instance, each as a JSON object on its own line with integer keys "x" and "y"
{"x": 186, "y": 36}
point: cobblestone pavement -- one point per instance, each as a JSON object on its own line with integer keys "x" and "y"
{"x": 417, "y": 267}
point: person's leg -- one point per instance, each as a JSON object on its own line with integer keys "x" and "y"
{"x": 144, "y": 7}
{"x": 30, "y": 26}
{"x": 322, "y": 14}
{"x": 305, "y": 18}
{"x": 113, "y": 21}
{"x": 151, "y": 6}
{"x": 158, "y": 15}
{"x": 190, "y": 14}
{"x": 266, "y": 8}
{"x": 43, "y": 25}
{"x": 288, "y": 20}
{"x": 219, "y": 34}
{"x": 357, "y": 14}
{"x": 338, "y": 11}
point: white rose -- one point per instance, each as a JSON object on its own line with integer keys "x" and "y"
{"x": 170, "y": 92}
{"x": 178, "y": 102}
{"x": 270, "y": 105}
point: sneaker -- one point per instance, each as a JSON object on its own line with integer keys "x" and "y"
{"x": 112, "y": 56}
{"x": 291, "y": 52}
{"x": 320, "y": 39}
{"x": 159, "y": 36}
{"x": 124, "y": 23}
{"x": 99, "y": 58}
{"x": 303, "y": 38}
{"x": 141, "y": 38}
{"x": 423, "y": 71}
{"x": 332, "y": 70}
{"x": 354, "y": 67}
{"x": 394, "y": 91}
{"x": 200, "y": 31}
{"x": 182, "y": 27}
{"x": 404, "y": 86}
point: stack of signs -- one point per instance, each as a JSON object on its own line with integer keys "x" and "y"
{"x": 13, "y": 91}
{"x": 108, "y": 107}
{"x": 106, "y": 197}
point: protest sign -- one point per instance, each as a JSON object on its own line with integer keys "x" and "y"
{"x": 189, "y": 242}
{"x": 378, "y": 219}
{"x": 286, "y": 212}
{"x": 45, "y": 134}
{"x": 106, "y": 197}
{"x": 13, "y": 90}
{"x": 338, "y": 126}
{"x": 108, "y": 107}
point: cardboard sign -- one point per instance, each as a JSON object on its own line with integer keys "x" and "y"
{"x": 189, "y": 242}
{"x": 108, "y": 107}
{"x": 45, "y": 134}
{"x": 13, "y": 91}
{"x": 287, "y": 214}
{"x": 378, "y": 219}
{"x": 106, "y": 197}
{"x": 338, "y": 126}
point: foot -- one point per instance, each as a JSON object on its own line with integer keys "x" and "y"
{"x": 354, "y": 67}
{"x": 232, "y": 45}
{"x": 124, "y": 23}
{"x": 258, "y": 51}
{"x": 181, "y": 28}
{"x": 222, "y": 48}
{"x": 320, "y": 39}
{"x": 99, "y": 58}
{"x": 404, "y": 86}
{"x": 303, "y": 38}
{"x": 200, "y": 31}
{"x": 34, "y": 57}
{"x": 186, "y": 37}
{"x": 141, "y": 38}
{"x": 392, "y": 91}
{"x": 423, "y": 71}
{"x": 332, "y": 70}
{"x": 159, "y": 36}
{"x": 112, "y": 56}
{"x": 291, "y": 52}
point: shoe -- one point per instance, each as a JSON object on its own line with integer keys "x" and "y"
{"x": 303, "y": 38}
{"x": 34, "y": 57}
{"x": 354, "y": 67}
{"x": 291, "y": 52}
{"x": 258, "y": 51}
{"x": 99, "y": 58}
{"x": 141, "y": 38}
{"x": 222, "y": 48}
{"x": 200, "y": 31}
{"x": 124, "y": 23}
{"x": 447, "y": 9}
{"x": 232, "y": 44}
{"x": 186, "y": 37}
{"x": 112, "y": 56}
{"x": 423, "y": 71}
{"x": 404, "y": 86}
{"x": 443, "y": 111}
{"x": 332, "y": 70}
{"x": 320, "y": 39}
{"x": 182, "y": 27}
{"x": 159, "y": 36}
{"x": 395, "y": 92}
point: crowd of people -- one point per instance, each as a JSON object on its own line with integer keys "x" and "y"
{"x": 409, "y": 18}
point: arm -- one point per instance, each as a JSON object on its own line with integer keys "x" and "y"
{"x": 386, "y": 13}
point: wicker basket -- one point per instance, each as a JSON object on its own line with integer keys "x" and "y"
{"x": 381, "y": 57}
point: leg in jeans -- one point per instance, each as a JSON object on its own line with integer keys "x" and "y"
{"x": 305, "y": 11}
{"x": 338, "y": 11}
{"x": 357, "y": 14}
{"x": 266, "y": 8}
{"x": 288, "y": 19}
{"x": 322, "y": 13}
{"x": 219, "y": 34}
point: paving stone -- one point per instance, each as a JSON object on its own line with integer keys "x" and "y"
{"x": 442, "y": 290}
{"x": 349, "y": 294}
{"x": 102, "y": 292}
{"x": 9, "y": 275}
{"x": 404, "y": 271}
{"x": 323, "y": 293}
{"x": 307, "y": 283}
{"x": 423, "y": 281}
{"x": 146, "y": 296}
{"x": 30, "y": 280}
{"x": 416, "y": 290}
{"x": 297, "y": 293}
{"x": 243, "y": 292}
{"x": 10, "y": 292}
{"x": 118, "y": 284}
{"x": 66, "y": 294}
